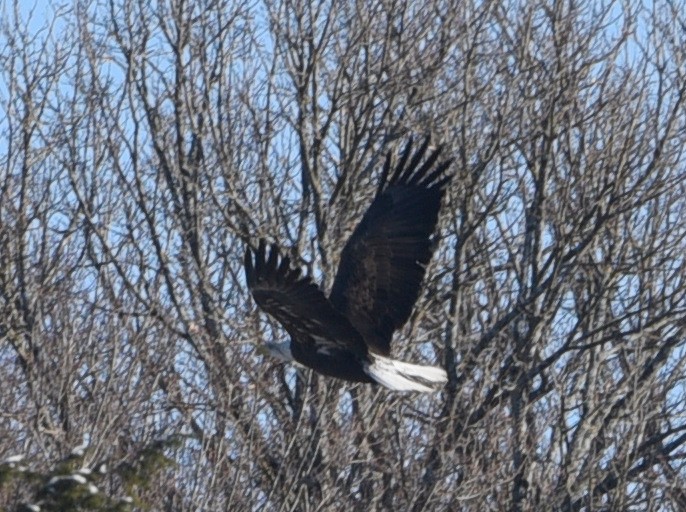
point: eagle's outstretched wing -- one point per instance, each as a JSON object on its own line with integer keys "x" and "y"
{"x": 383, "y": 263}
{"x": 316, "y": 328}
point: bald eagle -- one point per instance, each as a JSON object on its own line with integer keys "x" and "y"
{"x": 348, "y": 335}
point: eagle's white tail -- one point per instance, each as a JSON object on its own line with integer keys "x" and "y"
{"x": 401, "y": 376}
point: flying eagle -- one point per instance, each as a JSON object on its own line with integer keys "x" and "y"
{"x": 348, "y": 335}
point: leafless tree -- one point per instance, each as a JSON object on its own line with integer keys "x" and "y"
{"x": 143, "y": 145}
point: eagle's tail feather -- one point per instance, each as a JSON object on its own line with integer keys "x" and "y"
{"x": 400, "y": 376}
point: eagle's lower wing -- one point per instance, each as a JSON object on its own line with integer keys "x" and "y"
{"x": 299, "y": 305}
{"x": 383, "y": 264}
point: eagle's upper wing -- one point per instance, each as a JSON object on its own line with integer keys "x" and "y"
{"x": 299, "y": 305}
{"x": 383, "y": 263}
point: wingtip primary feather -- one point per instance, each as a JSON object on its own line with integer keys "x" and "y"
{"x": 285, "y": 267}
{"x": 258, "y": 264}
{"x": 384, "y": 174}
{"x": 400, "y": 166}
{"x": 259, "y": 258}
{"x": 418, "y": 155}
{"x": 272, "y": 261}
{"x": 248, "y": 264}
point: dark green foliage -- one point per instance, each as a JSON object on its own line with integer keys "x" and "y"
{"x": 69, "y": 485}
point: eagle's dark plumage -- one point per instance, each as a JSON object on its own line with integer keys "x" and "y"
{"x": 348, "y": 334}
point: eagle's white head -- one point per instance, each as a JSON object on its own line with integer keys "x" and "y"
{"x": 280, "y": 351}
